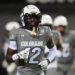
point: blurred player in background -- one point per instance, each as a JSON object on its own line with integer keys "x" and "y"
{"x": 65, "y": 62}
{"x": 47, "y": 21}
{"x": 26, "y": 45}
{"x": 8, "y": 27}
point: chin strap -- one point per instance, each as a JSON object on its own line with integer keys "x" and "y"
{"x": 33, "y": 33}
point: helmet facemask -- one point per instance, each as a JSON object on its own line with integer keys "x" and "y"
{"x": 31, "y": 20}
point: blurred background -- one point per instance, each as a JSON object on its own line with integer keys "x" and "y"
{"x": 10, "y": 10}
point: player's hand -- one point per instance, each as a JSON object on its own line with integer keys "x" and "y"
{"x": 44, "y": 64}
{"x": 15, "y": 57}
{"x": 21, "y": 55}
{"x": 24, "y": 54}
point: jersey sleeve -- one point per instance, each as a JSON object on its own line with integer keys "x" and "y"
{"x": 49, "y": 32}
{"x": 12, "y": 36}
{"x": 49, "y": 35}
{"x": 12, "y": 40}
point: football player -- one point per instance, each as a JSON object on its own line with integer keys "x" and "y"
{"x": 65, "y": 62}
{"x": 47, "y": 21}
{"x": 26, "y": 45}
{"x": 9, "y": 27}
